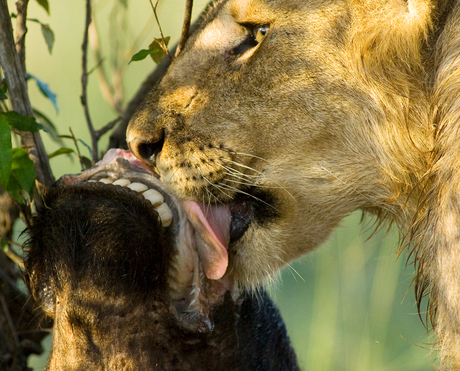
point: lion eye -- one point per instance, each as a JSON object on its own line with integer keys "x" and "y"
{"x": 260, "y": 32}
{"x": 255, "y": 36}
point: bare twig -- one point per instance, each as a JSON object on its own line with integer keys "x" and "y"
{"x": 185, "y": 27}
{"x": 107, "y": 127}
{"x": 13, "y": 256}
{"x": 154, "y": 8}
{"x": 84, "y": 82}
{"x": 10, "y": 322}
{"x": 17, "y": 89}
{"x": 118, "y": 137}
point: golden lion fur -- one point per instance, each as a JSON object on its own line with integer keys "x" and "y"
{"x": 343, "y": 105}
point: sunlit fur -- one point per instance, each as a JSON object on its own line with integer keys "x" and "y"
{"x": 344, "y": 105}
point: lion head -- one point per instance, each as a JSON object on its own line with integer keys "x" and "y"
{"x": 291, "y": 115}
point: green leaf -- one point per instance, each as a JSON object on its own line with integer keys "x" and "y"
{"x": 124, "y": 3}
{"x": 3, "y": 90}
{"x": 88, "y": 147}
{"x": 4, "y": 245}
{"x": 48, "y": 126}
{"x": 23, "y": 170}
{"x": 20, "y": 122}
{"x": 14, "y": 189}
{"x": 5, "y": 152}
{"x": 61, "y": 151}
{"x": 44, "y": 4}
{"x": 162, "y": 46}
{"x": 85, "y": 162}
{"x": 45, "y": 90}
{"x": 66, "y": 136}
{"x": 142, "y": 54}
{"x": 48, "y": 34}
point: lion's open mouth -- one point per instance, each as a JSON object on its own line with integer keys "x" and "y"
{"x": 201, "y": 234}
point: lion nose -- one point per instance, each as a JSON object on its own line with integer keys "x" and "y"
{"x": 144, "y": 147}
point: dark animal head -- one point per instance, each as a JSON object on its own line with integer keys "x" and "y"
{"x": 99, "y": 263}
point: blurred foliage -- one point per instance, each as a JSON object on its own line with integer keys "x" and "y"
{"x": 349, "y": 305}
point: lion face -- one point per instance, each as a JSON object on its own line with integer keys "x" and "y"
{"x": 265, "y": 113}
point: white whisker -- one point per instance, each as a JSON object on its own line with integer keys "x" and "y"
{"x": 248, "y": 154}
{"x": 226, "y": 186}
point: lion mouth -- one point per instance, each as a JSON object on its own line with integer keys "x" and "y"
{"x": 201, "y": 235}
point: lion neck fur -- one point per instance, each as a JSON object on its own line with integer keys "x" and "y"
{"x": 391, "y": 55}
{"x": 421, "y": 72}
{"x": 436, "y": 230}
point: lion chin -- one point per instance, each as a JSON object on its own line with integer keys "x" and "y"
{"x": 281, "y": 117}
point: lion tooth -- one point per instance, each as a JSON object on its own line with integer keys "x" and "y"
{"x": 92, "y": 181}
{"x": 165, "y": 214}
{"x": 155, "y": 197}
{"x": 122, "y": 182}
{"x": 106, "y": 180}
{"x": 138, "y": 187}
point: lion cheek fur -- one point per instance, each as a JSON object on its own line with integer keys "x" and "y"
{"x": 343, "y": 106}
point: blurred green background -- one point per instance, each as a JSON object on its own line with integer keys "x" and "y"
{"x": 347, "y": 306}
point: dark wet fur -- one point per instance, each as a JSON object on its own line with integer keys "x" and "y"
{"x": 97, "y": 263}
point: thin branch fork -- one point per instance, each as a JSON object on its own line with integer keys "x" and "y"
{"x": 154, "y": 8}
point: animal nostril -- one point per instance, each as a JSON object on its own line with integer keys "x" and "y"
{"x": 147, "y": 150}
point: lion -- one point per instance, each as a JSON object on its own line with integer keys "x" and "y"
{"x": 101, "y": 263}
{"x": 288, "y": 115}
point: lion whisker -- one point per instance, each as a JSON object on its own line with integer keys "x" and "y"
{"x": 250, "y": 155}
{"x": 226, "y": 186}
{"x": 251, "y": 184}
{"x": 259, "y": 176}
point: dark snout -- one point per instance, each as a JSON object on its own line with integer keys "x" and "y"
{"x": 98, "y": 234}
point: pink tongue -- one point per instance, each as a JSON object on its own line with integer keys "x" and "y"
{"x": 212, "y": 227}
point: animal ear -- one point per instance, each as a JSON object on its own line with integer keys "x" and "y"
{"x": 41, "y": 288}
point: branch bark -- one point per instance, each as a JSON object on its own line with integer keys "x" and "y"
{"x": 185, "y": 27}
{"x": 84, "y": 83}
{"x": 21, "y": 30}
{"x": 17, "y": 89}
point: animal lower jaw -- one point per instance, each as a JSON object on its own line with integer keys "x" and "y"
{"x": 192, "y": 294}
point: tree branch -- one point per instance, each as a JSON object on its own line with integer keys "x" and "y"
{"x": 154, "y": 8}
{"x": 118, "y": 137}
{"x": 21, "y": 30}
{"x": 185, "y": 27}
{"x": 17, "y": 89}
{"x": 84, "y": 83}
